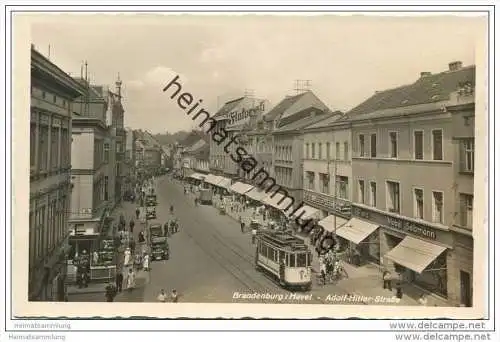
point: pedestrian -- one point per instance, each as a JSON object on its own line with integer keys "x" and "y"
{"x": 423, "y": 300}
{"x": 387, "y": 280}
{"x": 119, "y": 281}
{"x": 254, "y": 235}
{"x": 127, "y": 253}
{"x": 110, "y": 292}
{"x": 130, "y": 279}
{"x": 137, "y": 213}
{"x": 132, "y": 224}
{"x": 174, "y": 296}
{"x": 145, "y": 262}
{"x": 242, "y": 224}
{"x": 399, "y": 289}
{"x": 162, "y": 296}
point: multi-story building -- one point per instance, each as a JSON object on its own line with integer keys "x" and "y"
{"x": 406, "y": 142}
{"x": 52, "y": 94}
{"x": 327, "y": 170}
{"x": 202, "y": 159}
{"x": 130, "y": 158}
{"x": 233, "y": 119}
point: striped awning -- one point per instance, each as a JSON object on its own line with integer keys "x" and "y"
{"x": 304, "y": 212}
{"x": 224, "y": 183}
{"x": 278, "y": 201}
{"x": 197, "y": 176}
{"x": 241, "y": 188}
{"x": 257, "y": 194}
{"x": 212, "y": 179}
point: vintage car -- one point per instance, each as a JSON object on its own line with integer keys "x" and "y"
{"x": 159, "y": 248}
{"x": 150, "y": 213}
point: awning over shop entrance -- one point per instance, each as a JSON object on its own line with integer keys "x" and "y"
{"x": 257, "y": 194}
{"x": 197, "y": 176}
{"x": 224, "y": 183}
{"x": 212, "y": 179}
{"x": 328, "y": 223}
{"x": 241, "y": 188}
{"x": 304, "y": 212}
{"x": 415, "y": 254}
{"x": 356, "y": 230}
{"x": 274, "y": 199}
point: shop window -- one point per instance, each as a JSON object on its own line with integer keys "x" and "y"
{"x": 393, "y": 199}
{"x": 418, "y": 195}
{"x": 393, "y": 144}
{"x": 337, "y": 151}
{"x": 310, "y": 180}
{"x": 467, "y": 155}
{"x": 342, "y": 184}
{"x": 361, "y": 145}
{"x": 361, "y": 191}
{"x": 466, "y": 210}
{"x": 437, "y": 144}
{"x": 433, "y": 278}
{"x": 437, "y": 207}
{"x": 418, "y": 145}
{"x": 373, "y": 145}
{"x": 373, "y": 194}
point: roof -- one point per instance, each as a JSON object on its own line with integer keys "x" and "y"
{"x": 282, "y": 106}
{"x": 336, "y": 118}
{"x": 227, "y": 107}
{"x": 427, "y": 89}
{"x": 302, "y": 123}
{"x": 191, "y": 138}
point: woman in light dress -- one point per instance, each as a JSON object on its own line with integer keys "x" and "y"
{"x": 145, "y": 262}
{"x": 127, "y": 257}
{"x": 130, "y": 279}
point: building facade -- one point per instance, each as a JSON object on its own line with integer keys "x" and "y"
{"x": 327, "y": 173}
{"x": 52, "y": 94}
{"x": 118, "y": 140}
{"x": 405, "y": 183}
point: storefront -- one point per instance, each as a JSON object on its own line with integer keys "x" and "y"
{"x": 418, "y": 252}
{"x": 303, "y": 218}
{"x": 239, "y": 189}
{"x": 195, "y": 178}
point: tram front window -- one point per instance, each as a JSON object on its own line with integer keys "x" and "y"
{"x": 292, "y": 260}
{"x": 301, "y": 260}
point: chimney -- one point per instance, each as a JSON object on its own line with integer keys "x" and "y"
{"x": 453, "y": 66}
{"x": 425, "y": 74}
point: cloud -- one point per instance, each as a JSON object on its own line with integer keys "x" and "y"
{"x": 156, "y": 77}
{"x": 135, "y": 84}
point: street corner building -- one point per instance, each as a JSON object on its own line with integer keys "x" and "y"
{"x": 52, "y": 95}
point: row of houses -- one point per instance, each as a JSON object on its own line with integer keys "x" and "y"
{"x": 397, "y": 170}
{"x": 77, "y": 170}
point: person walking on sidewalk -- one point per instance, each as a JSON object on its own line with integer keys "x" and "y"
{"x": 387, "y": 277}
{"x": 254, "y": 235}
{"x": 119, "y": 281}
{"x": 174, "y": 296}
{"x": 137, "y": 213}
{"x": 130, "y": 279}
{"x": 131, "y": 224}
{"x": 162, "y": 296}
{"x": 110, "y": 292}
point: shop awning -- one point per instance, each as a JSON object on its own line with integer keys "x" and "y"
{"x": 356, "y": 230}
{"x": 212, "y": 179}
{"x": 224, "y": 183}
{"x": 257, "y": 194}
{"x": 415, "y": 254}
{"x": 241, "y": 188}
{"x": 197, "y": 176}
{"x": 274, "y": 199}
{"x": 328, "y": 223}
{"x": 304, "y": 212}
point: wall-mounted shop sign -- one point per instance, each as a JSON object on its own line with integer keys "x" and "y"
{"x": 327, "y": 203}
{"x": 244, "y": 113}
{"x": 406, "y": 226}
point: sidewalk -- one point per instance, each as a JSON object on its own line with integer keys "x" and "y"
{"x": 364, "y": 280}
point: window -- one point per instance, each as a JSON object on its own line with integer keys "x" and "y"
{"x": 320, "y": 156}
{"x": 43, "y": 95}
{"x": 325, "y": 183}
{"x": 43, "y": 155}
{"x": 373, "y": 145}
{"x": 373, "y": 194}
{"x": 466, "y": 202}
{"x": 346, "y": 150}
{"x": 313, "y": 151}
{"x": 33, "y": 143}
{"x": 342, "y": 183}
{"x": 418, "y": 142}
{"x": 393, "y": 197}
{"x": 310, "y": 180}
{"x": 337, "y": 151}
{"x": 393, "y": 141}
{"x": 65, "y": 148}
{"x": 437, "y": 207}
{"x": 106, "y": 188}
{"x": 106, "y": 152}
{"x": 32, "y": 241}
{"x": 327, "y": 151}
{"x": 467, "y": 155}
{"x": 54, "y": 99}
{"x": 307, "y": 151}
{"x": 437, "y": 144}
{"x": 361, "y": 191}
{"x": 361, "y": 145}
{"x": 54, "y": 148}
{"x": 418, "y": 195}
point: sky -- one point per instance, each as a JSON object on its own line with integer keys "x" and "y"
{"x": 218, "y": 58}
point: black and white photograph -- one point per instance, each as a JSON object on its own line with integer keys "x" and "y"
{"x": 325, "y": 162}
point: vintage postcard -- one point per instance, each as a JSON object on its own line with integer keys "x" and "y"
{"x": 250, "y": 165}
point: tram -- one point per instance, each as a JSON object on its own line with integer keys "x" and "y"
{"x": 285, "y": 257}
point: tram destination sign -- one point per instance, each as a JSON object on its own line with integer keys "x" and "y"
{"x": 406, "y": 226}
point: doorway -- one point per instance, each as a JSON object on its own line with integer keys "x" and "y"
{"x": 465, "y": 289}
